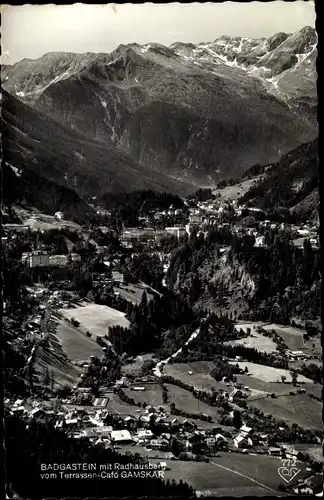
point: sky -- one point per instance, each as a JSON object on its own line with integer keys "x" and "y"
{"x": 29, "y": 31}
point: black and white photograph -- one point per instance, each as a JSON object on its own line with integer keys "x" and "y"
{"x": 160, "y": 248}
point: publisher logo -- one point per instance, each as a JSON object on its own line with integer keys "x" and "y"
{"x": 288, "y": 470}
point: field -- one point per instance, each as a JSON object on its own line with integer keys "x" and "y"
{"x": 185, "y": 401}
{"x": 315, "y": 451}
{"x": 133, "y": 293}
{"x": 258, "y": 386}
{"x": 37, "y": 220}
{"x": 152, "y": 394}
{"x": 299, "y": 409}
{"x": 236, "y": 191}
{"x": 116, "y": 405}
{"x": 231, "y": 474}
{"x": 136, "y": 365}
{"x": 96, "y": 318}
{"x": 314, "y": 346}
{"x": 54, "y": 358}
{"x": 76, "y": 345}
{"x": 268, "y": 373}
{"x": 299, "y": 242}
{"x": 252, "y": 326}
{"x": 315, "y": 389}
{"x": 293, "y": 337}
{"x": 200, "y": 374}
{"x": 256, "y": 341}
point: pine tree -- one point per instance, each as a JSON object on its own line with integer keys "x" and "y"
{"x": 52, "y": 380}
{"x": 47, "y": 378}
{"x": 237, "y": 420}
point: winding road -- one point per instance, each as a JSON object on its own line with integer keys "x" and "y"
{"x": 157, "y": 370}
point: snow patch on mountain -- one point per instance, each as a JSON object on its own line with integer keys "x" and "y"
{"x": 14, "y": 169}
{"x": 79, "y": 155}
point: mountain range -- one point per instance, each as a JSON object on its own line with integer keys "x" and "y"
{"x": 168, "y": 118}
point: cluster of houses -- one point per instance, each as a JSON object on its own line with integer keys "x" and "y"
{"x": 211, "y": 212}
{"x": 298, "y": 355}
{"x": 137, "y": 430}
{"x": 134, "y": 431}
{"x": 243, "y": 439}
{"x": 150, "y": 236}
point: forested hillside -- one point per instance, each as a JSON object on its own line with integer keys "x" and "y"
{"x": 291, "y": 183}
{"x": 274, "y": 282}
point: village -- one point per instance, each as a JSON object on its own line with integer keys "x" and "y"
{"x": 118, "y": 417}
{"x": 133, "y": 414}
{"x": 155, "y": 434}
{"x": 198, "y": 216}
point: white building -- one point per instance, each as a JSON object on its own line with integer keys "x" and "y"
{"x": 245, "y": 429}
{"x": 38, "y": 259}
{"x": 58, "y": 260}
{"x": 75, "y": 257}
{"x": 220, "y": 437}
{"x": 135, "y": 233}
{"x": 242, "y": 442}
{"x": 303, "y": 232}
{"x": 259, "y": 241}
{"x": 59, "y": 215}
{"x": 117, "y": 277}
{"x": 178, "y": 232}
{"x": 195, "y": 219}
{"x": 25, "y": 256}
{"x": 126, "y": 243}
{"x": 145, "y": 434}
{"x": 122, "y": 436}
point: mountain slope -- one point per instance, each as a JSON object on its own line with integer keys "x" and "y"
{"x": 47, "y": 196}
{"x": 175, "y": 139}
{"x": 178, "y": 109}
{"x": 291, "y": 183}
{"x": 37, "y": 143}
